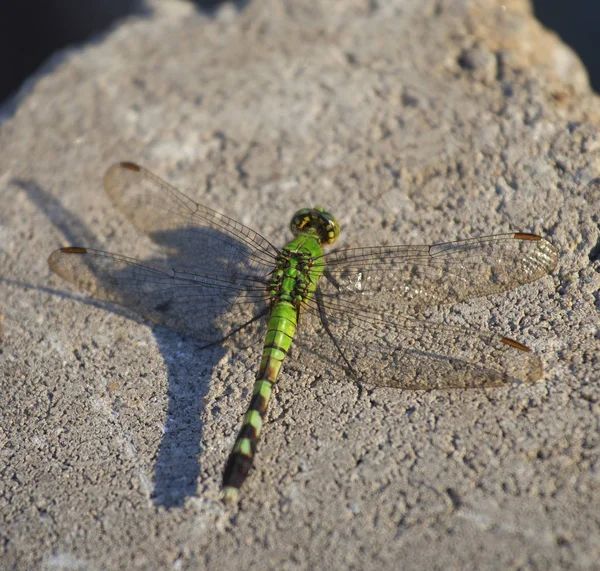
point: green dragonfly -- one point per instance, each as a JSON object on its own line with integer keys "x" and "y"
{"x": 364, "y": 302}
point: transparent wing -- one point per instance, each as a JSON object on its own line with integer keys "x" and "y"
{"x": 205, "y": 305}
{"x": 412, "y": 277}
{"x": 390, "y": 350}
{"x": 217, "y": 282}
{"x": 196, "y": 236}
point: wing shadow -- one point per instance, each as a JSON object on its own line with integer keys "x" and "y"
{"x": 176, "y": 466}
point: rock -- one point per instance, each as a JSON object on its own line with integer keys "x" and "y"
{"x": 423, "y": 121}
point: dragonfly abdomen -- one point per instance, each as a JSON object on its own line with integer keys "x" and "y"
{"x": 280, "y": 333}
{"x": 292, "y": 284}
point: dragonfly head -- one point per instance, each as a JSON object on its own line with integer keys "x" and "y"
{"x": 316, "y": 221}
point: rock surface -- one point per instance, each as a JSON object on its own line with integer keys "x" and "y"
{"x": 427, "y": 120}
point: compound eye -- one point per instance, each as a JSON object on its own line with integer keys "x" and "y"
{"x": 330, "y": 229}
{"x": 300, "y": 221}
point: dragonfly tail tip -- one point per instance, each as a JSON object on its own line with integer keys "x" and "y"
{"x": 229, "y": 495}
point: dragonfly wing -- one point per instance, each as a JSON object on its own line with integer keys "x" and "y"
{"x": 191, "y": 233}
{"x": 411, "y": 277}
{"x": 207, "y": 306}
{"x": 387, "y": 350}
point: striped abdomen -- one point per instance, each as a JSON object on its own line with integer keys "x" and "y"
{"x": 280, "y": 332}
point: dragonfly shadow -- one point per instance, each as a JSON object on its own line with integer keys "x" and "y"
{"x": 176, "y": 465}
{"x": 70, "y": 225}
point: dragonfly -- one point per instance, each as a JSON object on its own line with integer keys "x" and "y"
{"x": 365, "y": 303}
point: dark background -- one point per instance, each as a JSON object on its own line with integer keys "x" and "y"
{"x": 31, "y": 30}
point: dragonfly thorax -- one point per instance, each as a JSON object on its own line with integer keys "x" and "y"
{"x": 318, "y": 222}
{"x": 294, "y": 279}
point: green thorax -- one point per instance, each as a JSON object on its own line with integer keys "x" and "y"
{"x": 293, "y": 282}
{"x": 300, "y": 263}
{"x": 298, "y": 268}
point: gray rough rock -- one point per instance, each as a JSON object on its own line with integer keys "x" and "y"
{"x": 430, "y": 120}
